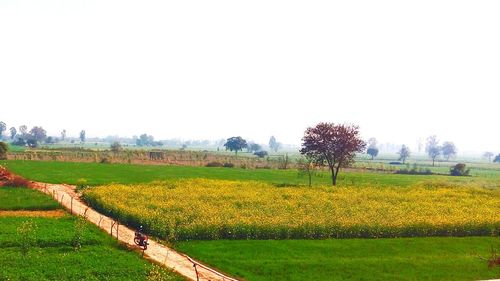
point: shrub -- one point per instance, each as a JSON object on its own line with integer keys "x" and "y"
{"x": 214, "y": 164}
{"x": 460, "y": 169}
{"x": 497, "y": 158}
{"x": 116, "y": 147}
{"x": 81, "y": 184}
{"x": 261, "y": 154}
{"x": 105, "y": 160}
{"x": 228, "y": 165}
{"x": 17, "y": 181}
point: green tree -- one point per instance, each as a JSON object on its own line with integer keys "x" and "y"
{"x": 82, "y": 135}
{"x": 235, "y": 144}
{"x": 404, "y": 153}
{"x": 432, "y": 148}
{"x": 38, "y": 134}
{"x": 13, "y": 133}
{"x": 372, "y": 151}
{"x": 273, "y": 144}
{"x": 449, "y": 150}
{"x": 488, "y": 155}
{"x": 3, "y": 127}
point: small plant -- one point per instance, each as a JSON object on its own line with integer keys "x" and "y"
{"x": 460, "y": 170}
{"x": 81, "y": 184}
{"x": 79, "y": 232}
{"x": 27, "y": 236}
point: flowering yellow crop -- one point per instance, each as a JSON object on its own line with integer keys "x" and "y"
{"x": 215, "y": 209}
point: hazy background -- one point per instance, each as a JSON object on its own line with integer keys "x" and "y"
{"x": 213, "y": 69}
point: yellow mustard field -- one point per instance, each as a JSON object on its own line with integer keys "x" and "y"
{"x": 220, "y": 209}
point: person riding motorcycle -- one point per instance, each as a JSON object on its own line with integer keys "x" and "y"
{"x": 140, "y": 238}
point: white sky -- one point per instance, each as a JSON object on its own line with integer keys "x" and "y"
{"x": 402, "y": 70}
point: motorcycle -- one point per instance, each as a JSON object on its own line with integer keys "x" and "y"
{"x": 141, "y": 239}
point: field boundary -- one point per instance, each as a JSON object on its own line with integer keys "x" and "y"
{"x": 67, "y": 197}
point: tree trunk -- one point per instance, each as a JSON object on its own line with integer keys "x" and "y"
{"x": 334, "y": 178}
{"x": 433, "y": 159}
{"x": 310, "y": 180}
{"x": 336, "y": 174}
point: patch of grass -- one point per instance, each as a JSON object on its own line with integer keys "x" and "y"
{"x": 98, "y": 174}
{"x": 54, "y": 256}
{"x": 349, "y": 259}
{"x": 21, "y": 198}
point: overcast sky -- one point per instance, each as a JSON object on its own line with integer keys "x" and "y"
{"x": 402, "y": 70}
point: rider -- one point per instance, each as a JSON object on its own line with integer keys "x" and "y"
{"x": 141, "y": 236}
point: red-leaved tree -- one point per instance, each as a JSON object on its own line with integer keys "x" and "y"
{"x": 333, "y": 144}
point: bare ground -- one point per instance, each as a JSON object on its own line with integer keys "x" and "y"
{"x": 40, "y": 214}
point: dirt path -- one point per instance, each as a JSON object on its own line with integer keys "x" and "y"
{"x": 157, "y": 252}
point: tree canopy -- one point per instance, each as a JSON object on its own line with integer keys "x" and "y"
{"x": 333, "y": 144}
{"x": 235, "y": 144}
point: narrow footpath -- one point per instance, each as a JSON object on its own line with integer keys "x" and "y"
{"x": 66, "y": 195}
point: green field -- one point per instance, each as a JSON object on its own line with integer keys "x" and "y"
{"x": 97, "y": 174}
{"x": 53, "y": 257}
{"x": 14, "y": 198}
{"x": 433, "y": 258}
{"x": 349, "y": 259}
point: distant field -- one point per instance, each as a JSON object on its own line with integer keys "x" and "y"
{"x": 97, "y": 174}
{"x": 53, "y": 256}
{"x": 434, "y": 258}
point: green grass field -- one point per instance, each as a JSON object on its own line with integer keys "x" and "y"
{"x": 15, "y": 198}
{"x": 53, "y": 257}
{"x": 97, "y": 174}
{"x": 350, "y": 259}
{"x": 433, "y": 258}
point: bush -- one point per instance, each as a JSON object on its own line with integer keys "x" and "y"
{"x": 105, "y": 160}
{"x": 17, "y": 181}
{"x": 415, "y": 170}
{"x": 459, "y": 170}
{"x": 81, "y": 184}
{"x": 228, "y": 165}
{"x": 261, "y": 154}
{"x": 214, "y": 164}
